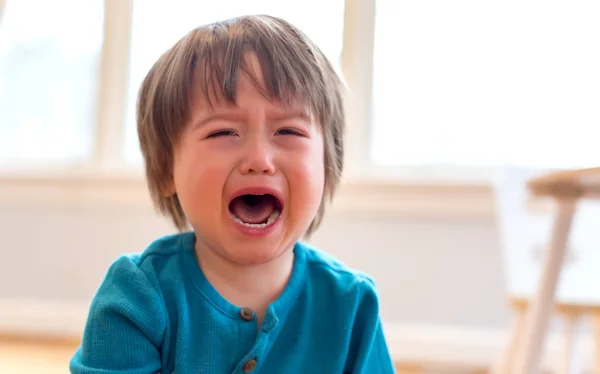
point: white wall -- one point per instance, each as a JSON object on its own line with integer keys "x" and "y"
{"x": 434, "y": 254}
{"x": 428, "y": 271}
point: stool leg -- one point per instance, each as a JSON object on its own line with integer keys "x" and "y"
{"x": 504, "y": 366}
{"x": 570, "y": 357}
{"x": 596, "y": 337}
{"x": 541, "y": 305}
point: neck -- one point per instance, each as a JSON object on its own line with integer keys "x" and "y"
{"x": 250, "y": 286}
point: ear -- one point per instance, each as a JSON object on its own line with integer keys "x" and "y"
{"x": 169, "y": 190}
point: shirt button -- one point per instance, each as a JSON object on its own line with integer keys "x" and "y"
{"x": 249, "y": 365}
{"x": 246, "y": 314}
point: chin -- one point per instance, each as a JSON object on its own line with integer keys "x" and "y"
{"x": 256, "y": 254}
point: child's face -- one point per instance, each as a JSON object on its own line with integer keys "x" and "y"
{"x": 256, "y": 147}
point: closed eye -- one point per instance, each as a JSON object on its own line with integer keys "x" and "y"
{"x": 220, "y": 133}
{"x": 289, "y": 132}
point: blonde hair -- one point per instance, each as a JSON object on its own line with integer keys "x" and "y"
{"x": 293, "y": 67}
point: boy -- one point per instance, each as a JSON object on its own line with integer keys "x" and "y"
{"x": 241, "y": 125}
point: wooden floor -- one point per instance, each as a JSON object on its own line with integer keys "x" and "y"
{"x": 25, "y": 356}
{"x": 29, "y": 356}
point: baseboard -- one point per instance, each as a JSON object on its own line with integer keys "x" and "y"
{"x": 464, "y": 346}
{"x": 43, "y": 318}
{"x": 413, "y": 343}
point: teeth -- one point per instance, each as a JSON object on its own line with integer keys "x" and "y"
{"x": 272, "y": 218}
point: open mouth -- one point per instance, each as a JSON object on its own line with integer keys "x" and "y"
{"x": 255, "y": 211}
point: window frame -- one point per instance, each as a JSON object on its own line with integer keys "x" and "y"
{"x": 399, "y": 191}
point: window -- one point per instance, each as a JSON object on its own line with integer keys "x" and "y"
{"x": 454, "y": 86}
{"x": 49, "y": 60}
{"x": 474, "y": 84}
{"x": 159, "y": 24}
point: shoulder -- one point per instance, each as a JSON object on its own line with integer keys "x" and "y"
{"x": 163, "y": 249}
{"x": 129, "y": 310}
{"x": 343, "y": 306}
{"x": 134, "y": 281}
{"x": 141, "y": 274}
{"x": 332, "y": 275}
{"x": 320, "y": 263}
{"x": 159, "y": 256}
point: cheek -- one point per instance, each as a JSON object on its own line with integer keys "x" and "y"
{"x": 308, "y": 177}
{"x": 196, "y": 164}
{"x": 317, "y": 170}
{"x": 198, "y": 182}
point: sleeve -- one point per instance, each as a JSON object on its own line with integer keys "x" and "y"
{"x": 125, "y": 325}
{"x": 369, "y": 352}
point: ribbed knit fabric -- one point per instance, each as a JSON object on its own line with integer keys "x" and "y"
{"x": 156, "y": 312}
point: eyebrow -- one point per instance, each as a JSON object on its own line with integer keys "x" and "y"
{"x": 293, "y": 114}
{"x": 230, "y": 114}
{"x": 214, "y": 116}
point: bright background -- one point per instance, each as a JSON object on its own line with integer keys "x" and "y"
{"x": 443, "y": 94}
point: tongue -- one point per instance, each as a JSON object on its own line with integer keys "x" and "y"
{"x": 256, "y": 213}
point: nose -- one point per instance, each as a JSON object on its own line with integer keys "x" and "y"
{"x": 257, "y": 159}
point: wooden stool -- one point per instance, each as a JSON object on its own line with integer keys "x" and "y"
{"x": 571, "y": 315}
{"x": 528, "y": 336}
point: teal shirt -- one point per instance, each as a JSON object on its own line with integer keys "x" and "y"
{"x": 156, "y": 312}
